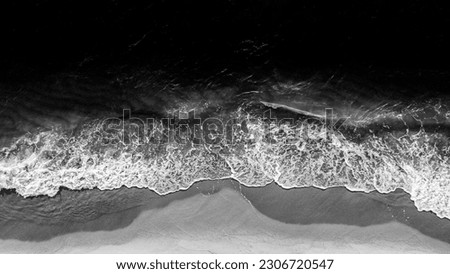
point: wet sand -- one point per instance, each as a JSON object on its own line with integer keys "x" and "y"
{"x": 220, "y": 217}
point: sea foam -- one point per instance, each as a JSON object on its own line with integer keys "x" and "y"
{"x": 297, "y": 155}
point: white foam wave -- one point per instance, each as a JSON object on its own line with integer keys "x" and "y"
{"x": 296, "y": 156}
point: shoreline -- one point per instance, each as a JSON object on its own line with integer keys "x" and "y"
{"x": 13, "y": 191}
{"x": 128, "y": 215}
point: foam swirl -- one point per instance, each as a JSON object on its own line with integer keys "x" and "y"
{"x": 297, "y": 155}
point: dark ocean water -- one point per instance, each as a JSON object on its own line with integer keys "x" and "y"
{"x": 334, "y": 113}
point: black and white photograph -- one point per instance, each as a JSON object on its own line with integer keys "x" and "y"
{"x": 225, "y": 127}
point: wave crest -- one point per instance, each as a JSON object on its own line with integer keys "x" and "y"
{"x": 41, "y": 163}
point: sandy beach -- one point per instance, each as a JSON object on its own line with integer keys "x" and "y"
{"x": 220, "y": 217}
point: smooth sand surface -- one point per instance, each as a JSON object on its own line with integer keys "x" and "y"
{"x": 212, "y": 218}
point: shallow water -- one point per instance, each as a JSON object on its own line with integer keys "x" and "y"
{"x": 43, "y": 218}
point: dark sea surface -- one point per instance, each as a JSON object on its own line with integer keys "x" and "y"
{"x": 313, "y": 113}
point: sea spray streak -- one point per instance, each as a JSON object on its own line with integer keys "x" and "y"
{"x": 297, "y": 155}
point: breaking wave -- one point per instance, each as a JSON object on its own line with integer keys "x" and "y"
{"x": 378, "y": 150}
